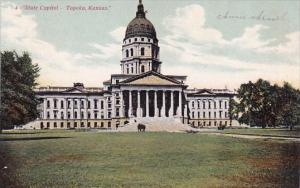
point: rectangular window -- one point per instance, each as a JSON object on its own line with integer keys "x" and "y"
{"x": 203, "y": 114}
{"x": 89, "y": 104}
{"x": 55, "y": 103}
{"x": 220, "y": 104}
{"x": 61, "y": 124}
{"x": 62, "y": 104}
{"x": 102, "y": 124}
{"x": 69, "y": 115}
{"x": 82, "y": 124}
{"x": 203, "y": 104}
{"x": 208, "y": 104}
{"x": 82, "y": 104}
{"x": 102, "y": 105}
{"x": 68, "y": 125}
{"x": 117, "y": 112}
{"x": 215, "y": 105}
{"x": 109, "y": 114}
{"x": 109, "y": 124}
{"x": 225, "y": 104}
{"x": 89, "y": 124}
{"x": 95, "y": 114}
{"x": 75, "y": 124}
{"x": 69, "y": 104}
{"x": 95, "y": 124}
{"x": 48, "y": 125}
{"x": 225, "y": 114}
{"x": 215, "y": 114}
{"x": 220, "y": 114}
{"x": 48, "y": 104}
{"x": 89, "y": 115}
{"x": 208, "y": 114}
{"x": 48, "y": 115}
{"x": 75, "y": 104}
{"x": 82, "y": 115}
{"x": 95, "y": 103}
{"x": 55, "y": 125}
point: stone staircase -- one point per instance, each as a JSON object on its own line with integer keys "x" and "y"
{"x": 157, "y": 124}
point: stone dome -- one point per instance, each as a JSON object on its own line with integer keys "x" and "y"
{"x": 140, "y": 25}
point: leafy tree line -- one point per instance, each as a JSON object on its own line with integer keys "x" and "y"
{"x": 266, "y": 105}
{"x": 18, "y": 79}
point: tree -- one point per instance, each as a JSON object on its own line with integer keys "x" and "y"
{"x": 289, "y": 106}
{"x": 18, "y": 80}
{"x": 263, "y": 104}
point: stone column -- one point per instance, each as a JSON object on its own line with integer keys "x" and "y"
{"x": 155, "y": 105}
{"x": 121, "y": 104}
{"x": 130, "y": 104}
{"x": 179, "y": 113}
{"x": 163, "y": 108}
{"x": 147, "y": 103}
{"x": 171, "y": 111}
{"x": 45, "y": 109}
{"x": 139, "y": 104}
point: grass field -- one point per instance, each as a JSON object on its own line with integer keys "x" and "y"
{"x": 89, "y": 159}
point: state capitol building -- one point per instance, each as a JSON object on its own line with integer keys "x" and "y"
{"x": 139, "y": 93}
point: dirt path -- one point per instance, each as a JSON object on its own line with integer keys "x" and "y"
{"x": 255, "y": 136}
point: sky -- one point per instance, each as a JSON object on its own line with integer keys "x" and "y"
{"x": 217, "y": 44}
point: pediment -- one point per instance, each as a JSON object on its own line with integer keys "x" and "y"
{"x": 73, "y": 90}
{"x": 204, "y": 92}
{"x": 151, "y": 78}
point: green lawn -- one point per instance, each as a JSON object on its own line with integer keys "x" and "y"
{"x": 88, "y": 159}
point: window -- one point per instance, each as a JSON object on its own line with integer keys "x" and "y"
{"x": 102, "y": 105}
{"x": 82, "y": 104}
{"x": 102, "y": 124}
{"x": 220, "y": 104}
{"x": 208, "y": 104}
{"x": 142, "y": 68}
{"x": 48, "y": 115}
{"x": 89, "y": 104}
{"x": 117, "y": 81}
{"x": 215, "y": 114}
{"x": 42, "y": 125}
{"x": 55, "y": 114}
{"x": 82, "y": 115}
{"x": 208, "y": 114}
{"x": 109, "y": 115}
{"x": 193, "y": 114}
{"x": 95, "y": 103}
{"x": 225, "y": 114}
{"x": 69, "y": 104}
{"x": 215, "y": 123}
{"x": 142, "y": 51}
{"x": 109, "y": 124}
{"x": 48, "y": 124}
{"x": 225, "y": 104}
{"x": 89, "y": 124}
{"x": 89, "y": 115}
{"x": 221, "y": 123}
{"x": 131, "y": 69}
{"x": 127, "y": 70}
{"x": 198, "y": 114}
{"x": 61, "y": 104}
{"x": 75, "y": 115}
{"x": 209, "y": 123}
{"x": 62, "y": 115}
{"x": 61, "y": 124}
{"x": 55, "y": 125}
{"x": 220, "y": 114}
{"x": 95, "y": 114}
{"x": 193, "y": 104}
{"x": 68, "y": 125}
{"x": 149, "y": 40}
{"x": 75, "y": 124}
{"x": 117, "y": 102}
{"x": 75, "y": 104}
{"x": 55, "y": 103}
{"x": 48, "y": 104}
{"x": 203, "y": 114}
{"x": 142, "y": 39}
{"x": 69, "y": 115}
{"x": 95, "y": 124}
{"x": 81, "y": 124}
{"x": 215, "y": 105}
{"x": 129, "y": 40}
{"x": 135, "y": 39}
{"x": 203, "y": 104}
{"x": 199, "y": 104}
{"x": 127, "y": 53}
{"x": 131, "y": 52}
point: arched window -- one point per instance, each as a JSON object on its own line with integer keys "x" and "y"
{"x": 142, "y": 51}
{"x": 142, "y": 68}
{"x": 131, "y": 52}
{"x": 127, "y": 53}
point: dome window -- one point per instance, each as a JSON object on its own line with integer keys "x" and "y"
{"x": 131, "y": 52}
{"x": 142, "y": 51}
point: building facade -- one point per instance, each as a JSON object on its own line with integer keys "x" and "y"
{"x": 139, "y": 92}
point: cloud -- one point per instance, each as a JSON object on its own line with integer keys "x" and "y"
{"x": 201, "y": 50}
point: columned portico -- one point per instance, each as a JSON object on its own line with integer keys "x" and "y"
{"x": 149, "y": 102}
